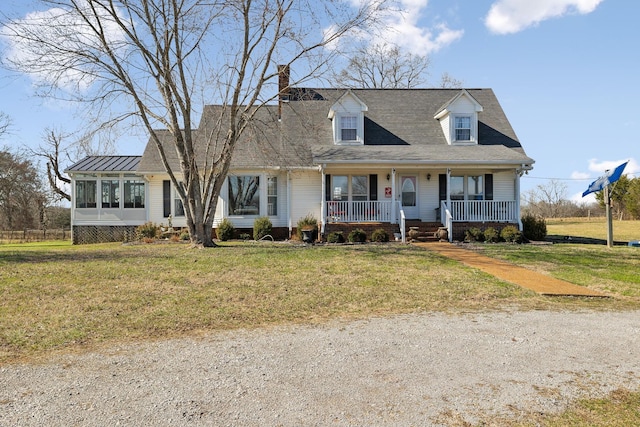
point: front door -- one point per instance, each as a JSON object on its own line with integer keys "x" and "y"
{"x": 409, "y": 196}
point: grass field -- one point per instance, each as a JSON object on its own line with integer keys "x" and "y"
{"x": 55, "y": 297}
{"x": 594, "y": 228}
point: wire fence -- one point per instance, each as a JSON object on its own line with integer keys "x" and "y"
{"x": 23, "y": 236}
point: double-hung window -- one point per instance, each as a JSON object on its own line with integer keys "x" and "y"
{"x": 272, "y": 196}
{"x": 462, "y": 128}
{"x": 348, "y": 128}
{"x": 469, "y": 187}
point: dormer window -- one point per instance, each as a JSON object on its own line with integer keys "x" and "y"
{"x": 459, "y": 119}
{"x": 347, "y": 117}
{"x": 462, "y": 128}
{"x": 348, "y": 128}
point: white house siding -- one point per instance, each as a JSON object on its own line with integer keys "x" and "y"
{"x": 156, "y": 213}
{"x": 306, "y": 194}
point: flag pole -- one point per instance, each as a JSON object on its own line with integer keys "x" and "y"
{"x": 607, "y": 201}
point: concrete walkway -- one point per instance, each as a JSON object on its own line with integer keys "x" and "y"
{"x": 537, "y": 282}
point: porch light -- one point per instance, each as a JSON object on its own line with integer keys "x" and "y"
{"x": 388, "y": 177}
{"x": 428, "y": 177}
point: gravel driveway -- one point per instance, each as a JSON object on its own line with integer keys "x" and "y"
{"x": 427, "y": 369}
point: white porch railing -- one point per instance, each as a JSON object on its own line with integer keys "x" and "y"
{"x": 483, "y": 211}
{"x": 367, "y": 211}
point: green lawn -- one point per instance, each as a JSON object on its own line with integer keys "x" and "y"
{"x": 594, "y": 228}
{"x": 57, "y": 297}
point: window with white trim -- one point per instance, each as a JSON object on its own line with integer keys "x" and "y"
{"x": 462, "y": 128}
{"x": 133, "y": 194}
{"x": 244, "y": 195}
{"x": 272, "y": 196}
{"x": 468, "y": 187}
{"x": 111, "y": 193}
{"x": 348, "y": 128}
{"x": 86, "y": 193}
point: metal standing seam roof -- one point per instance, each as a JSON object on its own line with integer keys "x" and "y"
{"x": 106, "y": 164}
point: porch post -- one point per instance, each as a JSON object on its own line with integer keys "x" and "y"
{"x": 322, "y": 201}
{"x": 449, "y": 220}
{"x": 289, "y": 223}
{"x": 394, "y": 218}
{"x": 517, "y": 197}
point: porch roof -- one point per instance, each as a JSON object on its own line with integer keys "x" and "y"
{"x": 414, "y": 154}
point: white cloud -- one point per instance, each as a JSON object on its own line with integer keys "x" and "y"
{"x": 600, "y": 166}
{"x": 512, "y": 16}
{"x": 580, "y": 175}
{"x": 401, "y": 27}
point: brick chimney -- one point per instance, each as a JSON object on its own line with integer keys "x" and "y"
{"x": 283, "y": 87}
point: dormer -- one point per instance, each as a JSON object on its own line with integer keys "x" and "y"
{"x": 459, "y": 119}
{"x": 347, "y": 119}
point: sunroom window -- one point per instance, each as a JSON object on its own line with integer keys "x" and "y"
{"x": 133, "y": 194}
{"x": 272, "y": 196}
{"x": 111, "y": 193}
{"x": 86, "y": 194}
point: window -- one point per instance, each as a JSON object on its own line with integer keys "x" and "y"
{"x": 272, "y": 196}
{"x": 348, "y": 128}
{"x": 340, "y": 188}
{"x": 475, "y": 188}
{"x": 462, "y": 128}
{"x": 178, "y": 206}
{"x": 469, "y": 187}
{"x": 133, "y": 194}
{"x": 359, "y": 188}
{"x": 111, "y": 194}
{"x": 408, "y": 191}
{"x": 244, "y": 195}
{"x": 86, "y": 194}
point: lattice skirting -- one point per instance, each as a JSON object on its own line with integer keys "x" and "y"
{"x": 85, "y": 234}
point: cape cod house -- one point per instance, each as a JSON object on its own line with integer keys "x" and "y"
{"x": 370, "y": 158}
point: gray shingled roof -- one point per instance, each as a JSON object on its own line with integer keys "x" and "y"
{"x": 106, "y": 164}
{"x": 399, "y": 127}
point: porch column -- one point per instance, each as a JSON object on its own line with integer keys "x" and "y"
{"x": 516, "y": 196}
{"x": 322, "y": 201}
{"x": 394, "y": 218}
{"x": 289, "y": 223}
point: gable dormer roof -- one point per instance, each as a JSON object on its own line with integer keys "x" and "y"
{"x": 449, "y": 106}
{"x": 346, "y": 103}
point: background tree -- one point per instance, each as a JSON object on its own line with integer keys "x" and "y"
{"x": 59, "y": 152}
{"x": 624, "y": 199}
{"x": 548, "y": 200}
{"x": 632, "y": 198}
{"x": 166, "y": 58}
{"x": 22, "y": 201}
{"x": 386, "y": 66}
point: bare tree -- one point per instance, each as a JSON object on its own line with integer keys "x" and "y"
{"x": 160, "y": 55}
{"x": 383, "y": 66}
{"x": 5, "y": 124}
{"x": 58, "y": 152}
{"x": 449, "y": 82}
{"x": 548, "y": 200}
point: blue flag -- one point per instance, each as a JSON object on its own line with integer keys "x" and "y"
{"x": 608, "y": 178}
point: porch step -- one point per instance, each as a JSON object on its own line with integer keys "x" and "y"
{"x": 422, "y": 231}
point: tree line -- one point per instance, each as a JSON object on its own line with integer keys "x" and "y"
{"x": 550, "y": 200}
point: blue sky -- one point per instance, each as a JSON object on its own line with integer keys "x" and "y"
{"x": 564, "y": 71}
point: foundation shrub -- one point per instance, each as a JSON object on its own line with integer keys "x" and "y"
{"x": 225, "y": 230}
{"x": 261, "y": 227}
